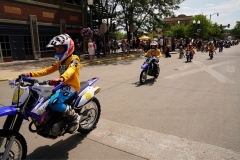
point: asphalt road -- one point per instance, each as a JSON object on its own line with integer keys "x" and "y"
{"x": 190, "y": 112}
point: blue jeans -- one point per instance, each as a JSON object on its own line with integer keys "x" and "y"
{"x": 57, "y": 100}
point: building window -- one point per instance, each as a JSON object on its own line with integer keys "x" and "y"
{"x": 28, "y": 45}
{"x": 44, "y": 40}
{"x": 5, "y": 46}
{"x": 76, "y": 2}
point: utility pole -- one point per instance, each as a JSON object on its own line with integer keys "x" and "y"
{"x": 212, "y": 15}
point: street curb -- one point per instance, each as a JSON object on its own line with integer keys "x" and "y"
{"x": 92, "y": 63}
{"x": 5, "y": 79}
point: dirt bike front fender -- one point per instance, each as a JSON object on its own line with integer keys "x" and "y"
{"x": 145, "y": 65}
{"x": 8, "y": 110}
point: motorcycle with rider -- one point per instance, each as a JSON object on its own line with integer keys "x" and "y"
{"x": 211, "y": 49}
{"x": 151, "y": 65}
{"x": 53, "y": 107}
{"x": 189, "y": 52}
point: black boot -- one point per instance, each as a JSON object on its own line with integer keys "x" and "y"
{"x": 73, "y": 119}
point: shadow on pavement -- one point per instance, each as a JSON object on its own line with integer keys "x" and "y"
{"x": 149, "y": 82}
{"x": 58, "y": 150}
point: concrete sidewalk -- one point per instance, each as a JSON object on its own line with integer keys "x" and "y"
{"x": 13, "y": 69}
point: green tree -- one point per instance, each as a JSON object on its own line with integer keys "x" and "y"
{"x": 120, "y": 35}
{"x": 206, "y": 29}
{"x": 203, "y": 27}
{"x": 144, "y": 14}
{"x": 178, "y": 31}
{"x": 235, "y": 32}
{"x": 216, "y": 32}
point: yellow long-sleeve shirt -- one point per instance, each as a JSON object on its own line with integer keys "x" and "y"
{"x": 157, "y": 53}
{"x": 211, "y": 48}
{"x": 69, "y": 70}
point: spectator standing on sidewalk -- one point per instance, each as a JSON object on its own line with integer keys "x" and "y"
{"x": 96, "y": 49}
{"x": 167, "y": 49}
{"x": 128, "y": 47}
{"x": 124, "y": 47}
{"x": 115, "y": 45}
{"x": 142, "y": 45}
{"x": 137, "y": 43}
{"x": 77, "y": 47}
{"x": 112, "y": 46}
{"x": 133, "y": 44}
{"x": 173, "y": 44}
{"x": 91, "y": 50}
{"x": 161, "y": 44}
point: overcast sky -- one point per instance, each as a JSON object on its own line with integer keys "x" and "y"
{"x": 229, "y": 10}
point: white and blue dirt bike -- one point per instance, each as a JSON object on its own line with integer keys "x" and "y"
{"x": 30, "y": 102}
{"x": 149, "y": 69}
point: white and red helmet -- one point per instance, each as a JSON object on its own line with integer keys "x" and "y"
{"x": 62, "y": 40}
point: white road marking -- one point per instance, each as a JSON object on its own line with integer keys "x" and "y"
{"x": 154, "y": 145}
{"x": 230, "y": 69}
{"x": 226, "y": 56}
{"x": 208, "y": 69}
{"x": 185, "y": 67}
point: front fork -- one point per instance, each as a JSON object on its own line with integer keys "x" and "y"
{"x": 12, "y": 124}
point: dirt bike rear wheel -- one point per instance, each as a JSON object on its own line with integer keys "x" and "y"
{"x": 92, "y": 111}
{"x": 18, "y": 149}
{"x": 143, "y": 76}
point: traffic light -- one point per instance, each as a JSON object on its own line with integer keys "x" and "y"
{"x": 228, "y": 25}
{"x": 221, "y": 26}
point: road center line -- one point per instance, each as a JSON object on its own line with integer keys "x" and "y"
{"x": 154, "y": 145}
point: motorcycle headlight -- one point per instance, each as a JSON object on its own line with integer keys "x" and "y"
{"x": 12, "y": 83}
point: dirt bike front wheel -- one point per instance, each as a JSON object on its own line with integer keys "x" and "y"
{"x": 90, "y": 113}
{"x": 18, "y": 149}
{"x": 143, "y": 76}
{"x": 157, "y": 74}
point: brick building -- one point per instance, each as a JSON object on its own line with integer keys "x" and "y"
{"x": 180, "y": 19}
{"x": 26, "y": 26}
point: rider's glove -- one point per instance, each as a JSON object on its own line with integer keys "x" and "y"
{"x": 26, "y": 74}
{"x": 55, "y": 82}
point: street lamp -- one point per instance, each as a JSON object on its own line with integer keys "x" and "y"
{"x": 212, "y": 15}
{"x": 196, "y": 23}
{"x": 90, "y": 4}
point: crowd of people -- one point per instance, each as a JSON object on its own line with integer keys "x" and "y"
{"x": 165, "y": 45}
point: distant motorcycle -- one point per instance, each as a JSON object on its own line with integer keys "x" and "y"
{"x": 220, "y": 48}
{"x": 181, "y": 53}
{"x": 211, "y": 54}
{"x": 31, "y": 102}
{"x": 150, "y": 67}
{"x": 189, "y": 56}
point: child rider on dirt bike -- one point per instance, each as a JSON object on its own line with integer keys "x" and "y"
{"x": 191, "y": 50}
{"x": 211, "y": 48}
{"x": 153, "y": 51}
{"x": 68, "y": 66}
